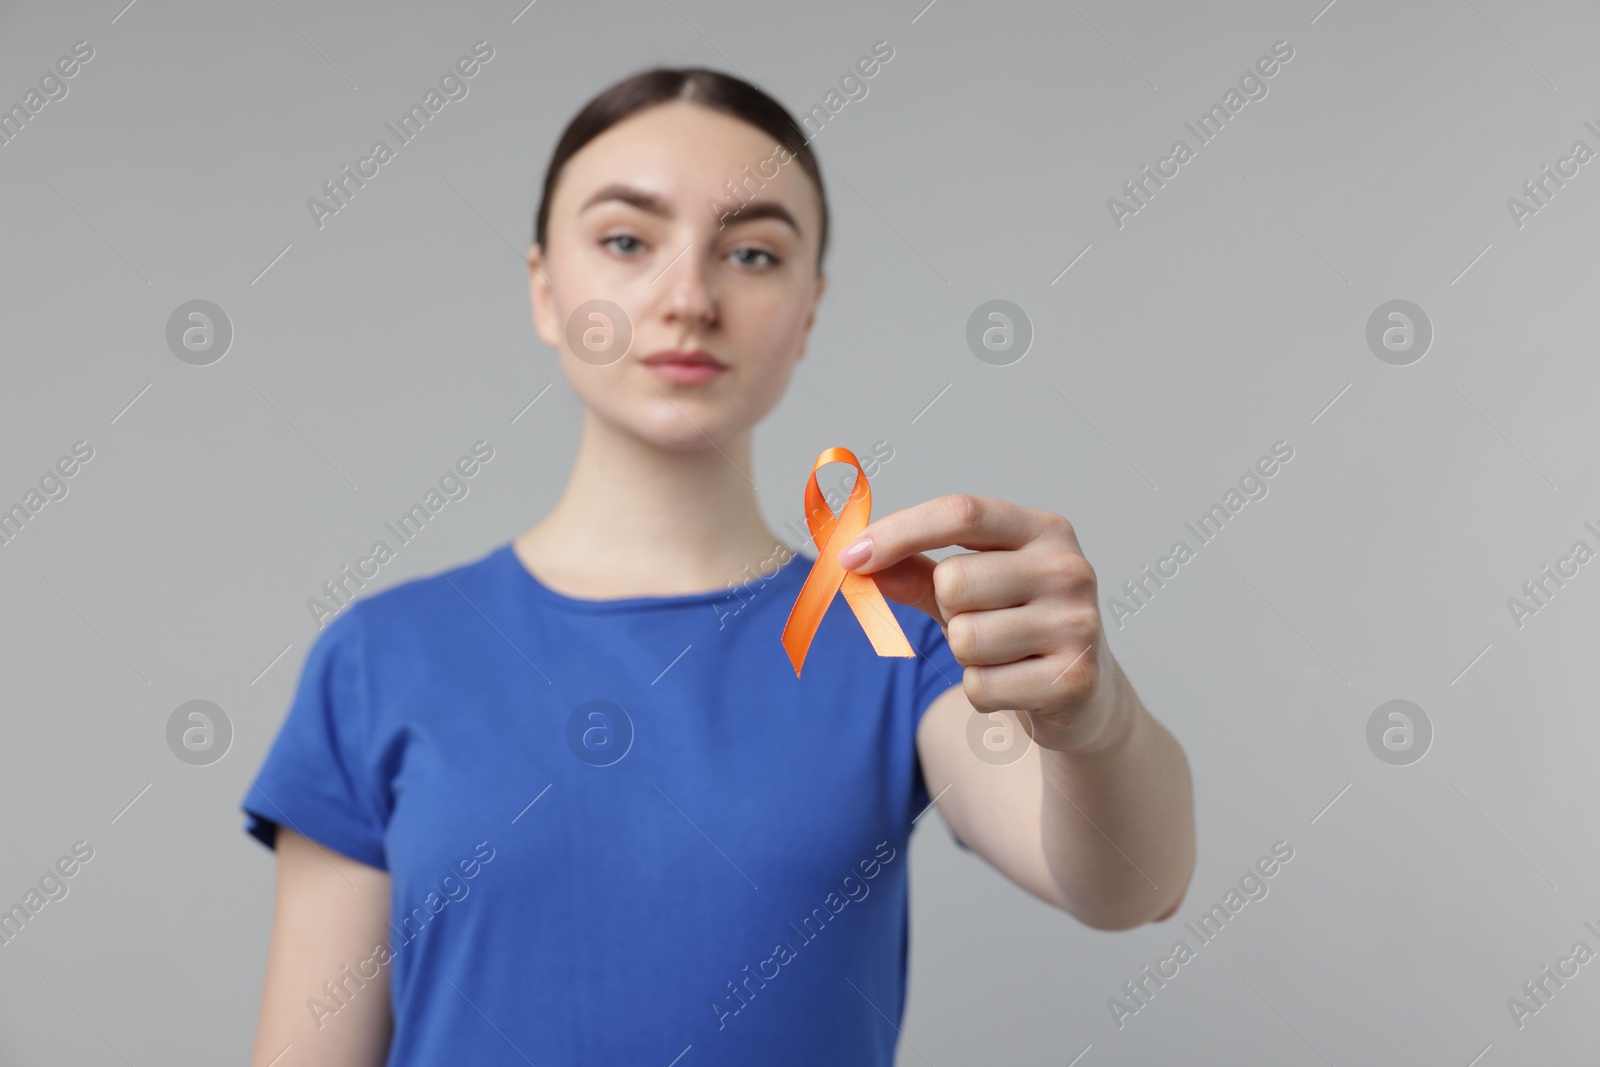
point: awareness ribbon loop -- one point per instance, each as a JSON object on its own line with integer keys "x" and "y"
{"x": 828, "y": 576}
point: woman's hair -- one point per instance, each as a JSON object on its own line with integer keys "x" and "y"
{"x": 695, "y": 85}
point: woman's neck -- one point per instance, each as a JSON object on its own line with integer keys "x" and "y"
{"x": 637, "y": 520}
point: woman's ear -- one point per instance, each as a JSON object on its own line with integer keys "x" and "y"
{"x": 541, "y": 299}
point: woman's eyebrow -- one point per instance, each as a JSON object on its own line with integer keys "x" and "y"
{"x": 655, "y": 205}
{"x": 629, "y": 195}
{"x": 763, "y": 209}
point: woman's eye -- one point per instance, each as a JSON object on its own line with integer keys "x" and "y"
{"x": 744, "y": 255}
{"x": 622, "y": 237}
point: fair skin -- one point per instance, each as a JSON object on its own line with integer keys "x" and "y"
{"x": 1096, "y": 818}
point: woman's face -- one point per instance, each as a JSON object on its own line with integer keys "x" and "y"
{"x": 634, "y": 220}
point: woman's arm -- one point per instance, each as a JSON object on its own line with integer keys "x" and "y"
{"x": 331, "y": 916}
{"x": 1107, "y": 835}
{"x": 1098, "y": 818}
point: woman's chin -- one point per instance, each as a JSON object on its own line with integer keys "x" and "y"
{"x": 682, "y": 426}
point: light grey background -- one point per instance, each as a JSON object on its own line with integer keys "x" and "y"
{"x": 1228, "y": 314}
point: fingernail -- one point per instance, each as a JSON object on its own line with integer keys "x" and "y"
{"x": 857, "y": 552}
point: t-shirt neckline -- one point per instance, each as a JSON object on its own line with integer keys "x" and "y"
{"x": 796, "y": 564}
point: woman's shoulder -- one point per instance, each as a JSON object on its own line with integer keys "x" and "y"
{"x": 425, "y": 600}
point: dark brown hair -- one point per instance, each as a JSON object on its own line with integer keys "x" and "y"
{"x": 695, "y": 85}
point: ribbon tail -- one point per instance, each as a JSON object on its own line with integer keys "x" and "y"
{"x": 873, "y": 613}
{"x": 809, "y": 607}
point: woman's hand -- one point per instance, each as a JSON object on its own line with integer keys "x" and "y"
{"x": 1020, "y": 612}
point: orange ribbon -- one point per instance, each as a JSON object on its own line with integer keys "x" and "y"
{"x": 828, "y": 576}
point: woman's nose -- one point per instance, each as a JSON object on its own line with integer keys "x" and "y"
{"x": 690, "y": 293}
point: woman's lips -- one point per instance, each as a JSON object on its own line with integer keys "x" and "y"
{"x": 684, "y": 371}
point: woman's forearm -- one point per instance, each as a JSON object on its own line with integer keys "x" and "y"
{"x": 1118, "y": 821}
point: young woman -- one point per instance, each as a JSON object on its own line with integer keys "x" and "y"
{"x": 571, "y": 802}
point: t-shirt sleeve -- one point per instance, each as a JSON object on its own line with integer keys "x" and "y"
{"x": 935, "y": 670}
{"x": 936, "y": 666}
{"x": 317, "y": 778}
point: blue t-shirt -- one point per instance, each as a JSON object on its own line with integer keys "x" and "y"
{"x": 616, "y": 829}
